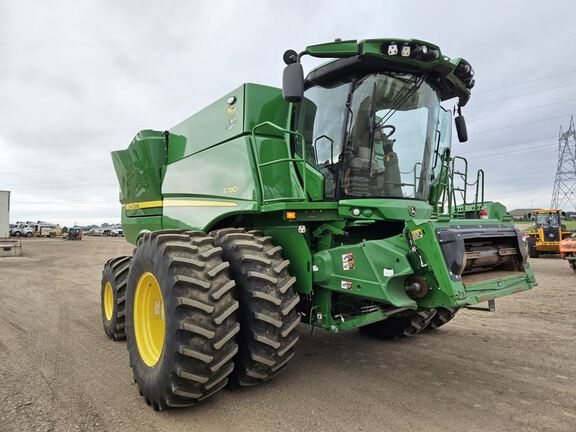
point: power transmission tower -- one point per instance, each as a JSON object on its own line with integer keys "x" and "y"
{"x": 564, "y": 193}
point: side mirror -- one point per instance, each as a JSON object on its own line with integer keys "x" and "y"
{"x": 529, "y": 215}
{"x": 461, "y": 128}
{"x": 293, "y": 82}
{"x": 563, "y": 214}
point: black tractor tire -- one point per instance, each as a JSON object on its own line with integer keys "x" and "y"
{"x": 442, "y": 316}
{"x": 399, "y": 327}
{"x": 573, "y": 264}
{"x": 199, "y": 311}
{"x": 116, "y": 274}
{"x": 268, "y": 315}
{"x": 531, "y": 246}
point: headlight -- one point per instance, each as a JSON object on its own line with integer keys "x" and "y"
{"x": 393, "y": 48}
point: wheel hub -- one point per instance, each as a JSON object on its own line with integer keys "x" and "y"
{"x": 108, "y": 301}
{"x": 149, "y": 319}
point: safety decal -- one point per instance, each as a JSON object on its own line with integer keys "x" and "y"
{"x": 231, "y": 122}
{"x": 417, "y": 234}
{"x": 348, "y": 261}
{"x": 346, "y": 285}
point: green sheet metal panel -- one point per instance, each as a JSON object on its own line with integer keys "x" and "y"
{"x": 263, "y": 103}
{"x": 209, "y": 185}
{"x": 378, "y": 271}
{"x": 202, "y": 215}
{"x": 279, "y": 179}
{"x": 220, "y": 121}
{"x": 139, "y": 168}
{"x": 232, "y": 115}
{"x": 222, "y": 171}
{"x": 133, "y": 227}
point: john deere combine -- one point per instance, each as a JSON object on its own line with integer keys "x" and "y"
{"x": 330, "y": 202}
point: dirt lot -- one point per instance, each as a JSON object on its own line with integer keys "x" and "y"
{"x": 514, "y": 370}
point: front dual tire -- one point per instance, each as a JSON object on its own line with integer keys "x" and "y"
{"x": 202, "y": 311}
{"x": 181, "y": 318}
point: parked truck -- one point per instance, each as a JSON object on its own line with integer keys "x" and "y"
{"x": 331, "y": 202}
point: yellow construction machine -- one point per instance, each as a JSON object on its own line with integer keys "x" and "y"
{"x": 547, "y": 232}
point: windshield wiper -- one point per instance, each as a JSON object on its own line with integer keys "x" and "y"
{"x": 411, "y": 80}
{"x": 400, "y": 99}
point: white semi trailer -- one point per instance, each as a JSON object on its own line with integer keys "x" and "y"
{"x": 4, "y": 213}
{"x": 8, "y": 247}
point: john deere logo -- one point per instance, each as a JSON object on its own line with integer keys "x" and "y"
{"x": 412, "y": 211}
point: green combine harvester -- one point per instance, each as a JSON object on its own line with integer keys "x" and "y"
{"x": 333, "y": 202}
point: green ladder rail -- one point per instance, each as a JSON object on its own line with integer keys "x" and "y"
{"x": 293, "y": 160}
{"x": 460, "y": 190}
{"x": 462, "y": 177}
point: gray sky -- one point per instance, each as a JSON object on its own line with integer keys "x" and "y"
{"x": 78, "y": 79}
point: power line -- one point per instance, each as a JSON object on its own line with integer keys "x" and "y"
{"x": 542, "y": 139}
{"x": 96, "y": 166}
{"x": 517, "y": 154}
{"x": 111, "y": 201}
{"x": 523, "y": 95}
{"x": 516, "y": 48}
{"x": 523, "y": 82}
{"x": 522, "y": 110}
{"x": 68, "y": 163}
{"x": 81, "y": 134}
{"x": 516, "y": 125}
{"x": 512, "y": 147}
{"x": 94, "y": 180}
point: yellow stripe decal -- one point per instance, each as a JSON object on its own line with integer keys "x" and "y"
{"x": 143, "y": 205}
{"x": 179, "y": 203}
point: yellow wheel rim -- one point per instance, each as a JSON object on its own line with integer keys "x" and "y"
{"x": 108, "y": 301}
{"x": 149, "y": 324}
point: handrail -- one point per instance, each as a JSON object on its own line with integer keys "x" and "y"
{"x": 290, "y": 159}
{"x": 416, "y": 176}
{"x": 464, "y": 177}
{"x": 460, "y": 210}
{"x": 479, "y": 189}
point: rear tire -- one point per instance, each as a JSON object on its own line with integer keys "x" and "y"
{"x": 113, "y": 296}
{"x": 268, "y": 316}
{"x": 442, "y": 316}
{"x": 198, "y": 308}
{"x": 399, "y": 327}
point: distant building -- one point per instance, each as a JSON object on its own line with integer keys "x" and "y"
{"x": 521, "y": 214}
{"x": 4, "y": 213}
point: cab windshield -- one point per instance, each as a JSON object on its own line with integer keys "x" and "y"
{"x": 548, "y": 220}
{"x": 374, "y": 137}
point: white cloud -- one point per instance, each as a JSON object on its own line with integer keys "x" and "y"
{"x": 79, "y": 79}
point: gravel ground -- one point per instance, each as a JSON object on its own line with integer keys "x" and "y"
{"x": 513, "y": 370}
